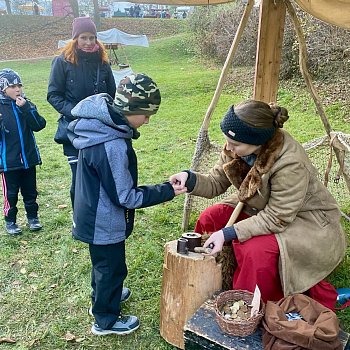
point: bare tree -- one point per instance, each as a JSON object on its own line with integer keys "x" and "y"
{"x": 75, "y": 7}
{"x": 8, "y": 7}
{"x": 97, "y": 18}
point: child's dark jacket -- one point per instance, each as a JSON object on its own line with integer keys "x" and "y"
{"x": 18, "y": 148}
{"x": 107, "y": 193}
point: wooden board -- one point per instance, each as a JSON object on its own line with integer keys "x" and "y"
{"x": 188, "y": 280}
{"x": 336, "y": 12}
{"x": 202, "y": 332}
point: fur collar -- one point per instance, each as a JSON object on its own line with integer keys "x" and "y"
{"x": 248, "y": 180}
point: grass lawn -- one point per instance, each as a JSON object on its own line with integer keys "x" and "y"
{"x": 45, "y": 276}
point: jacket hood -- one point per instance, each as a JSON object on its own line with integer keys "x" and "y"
{"x": 97, "y": 122}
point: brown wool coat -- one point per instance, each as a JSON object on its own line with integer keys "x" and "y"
{"x": 291, "y": 202}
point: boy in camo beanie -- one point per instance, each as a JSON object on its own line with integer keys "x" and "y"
{"x": 108, "y": 193}
{"x": 137, "y": 94}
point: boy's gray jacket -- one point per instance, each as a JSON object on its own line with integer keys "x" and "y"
{"x": 107, "y": 193}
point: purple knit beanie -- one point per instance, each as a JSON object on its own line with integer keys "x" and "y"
{"x": 82, "y": 25}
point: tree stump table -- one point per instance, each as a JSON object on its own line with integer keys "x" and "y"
{"x": 188, "y": 280}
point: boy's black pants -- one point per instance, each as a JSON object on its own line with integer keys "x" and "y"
{"x": 107, "y": 276}
{"x": 23, "y": 180}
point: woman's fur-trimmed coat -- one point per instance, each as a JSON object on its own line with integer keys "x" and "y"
{"x": 291, "y": 202}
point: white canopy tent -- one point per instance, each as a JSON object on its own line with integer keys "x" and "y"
{"x": 116, "y": 36}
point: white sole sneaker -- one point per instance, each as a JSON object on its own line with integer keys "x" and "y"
{"x": 123, "y": 326}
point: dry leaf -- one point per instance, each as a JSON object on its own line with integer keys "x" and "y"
{"x": 62, "y": 206}
{"x": 7, "y": 340}
{"x": 69, "y": 336}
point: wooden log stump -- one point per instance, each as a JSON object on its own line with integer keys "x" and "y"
{"x": 188, "y": 280}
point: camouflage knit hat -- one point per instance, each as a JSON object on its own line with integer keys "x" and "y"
{"x": 137, "y": 94}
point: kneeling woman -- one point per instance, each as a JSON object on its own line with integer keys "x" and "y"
{"x": 294, "y": 238}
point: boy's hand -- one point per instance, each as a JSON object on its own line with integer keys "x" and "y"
{"x": 178, "y": 189}
{"x": 20, "y": 101}
{"x": 179, "y": 179}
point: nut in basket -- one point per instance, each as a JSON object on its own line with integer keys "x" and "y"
{"x": 233, "y": 312}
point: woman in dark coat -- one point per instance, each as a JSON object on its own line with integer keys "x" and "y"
{"x": 81, "y": 70}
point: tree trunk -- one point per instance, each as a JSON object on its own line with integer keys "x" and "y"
{"x": 8, "y": 7}
{"x": 75, "y": 7}
{"x": 97, "y": 18}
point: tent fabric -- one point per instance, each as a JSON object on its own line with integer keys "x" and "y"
{"x": 335, "y": 12}
{"x": 116, "y": 36}
{"x": 120, "y": 74}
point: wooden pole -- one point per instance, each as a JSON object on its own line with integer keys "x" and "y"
{"x": 228, "y": 63}
{"x": 268, "y": 56}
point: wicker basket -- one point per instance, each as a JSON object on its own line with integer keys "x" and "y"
{"x": 241, "y": 327}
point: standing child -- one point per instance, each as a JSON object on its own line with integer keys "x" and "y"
{"x": 107, "y": 192}
{"x": 19, "y": 152}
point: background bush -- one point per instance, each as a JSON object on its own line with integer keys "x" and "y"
{"x": 214, "y": 28}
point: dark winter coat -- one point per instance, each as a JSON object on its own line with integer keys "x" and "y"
{"x": 107, "y": 192}
{"x": 290, "y": 200}
{"x": 18, "y": 148}
{"x": 70, "y": 83}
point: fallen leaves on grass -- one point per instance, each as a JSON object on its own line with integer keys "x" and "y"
{"x": 72, "y": 338}
{"x": 7, "y": 340}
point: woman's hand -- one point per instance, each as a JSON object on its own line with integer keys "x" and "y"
{"x": 179, "y": 180}
{"x": 215, "y": 241}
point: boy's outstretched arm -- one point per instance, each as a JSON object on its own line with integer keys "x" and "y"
{"x": 117, "y": 173}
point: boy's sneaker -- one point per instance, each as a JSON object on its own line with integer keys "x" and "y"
{"x": 12, "y": 228}
{"x": 34, "y": 224}
{"x": 126, "y": 294}
{"x": 124, "y": 325}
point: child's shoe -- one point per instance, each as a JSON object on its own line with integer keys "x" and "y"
{"x": 34, "y": 224}
{"x": 126, "y": 293}
{"x": 12, "y": 228}
{"x": 124, "y": 325}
